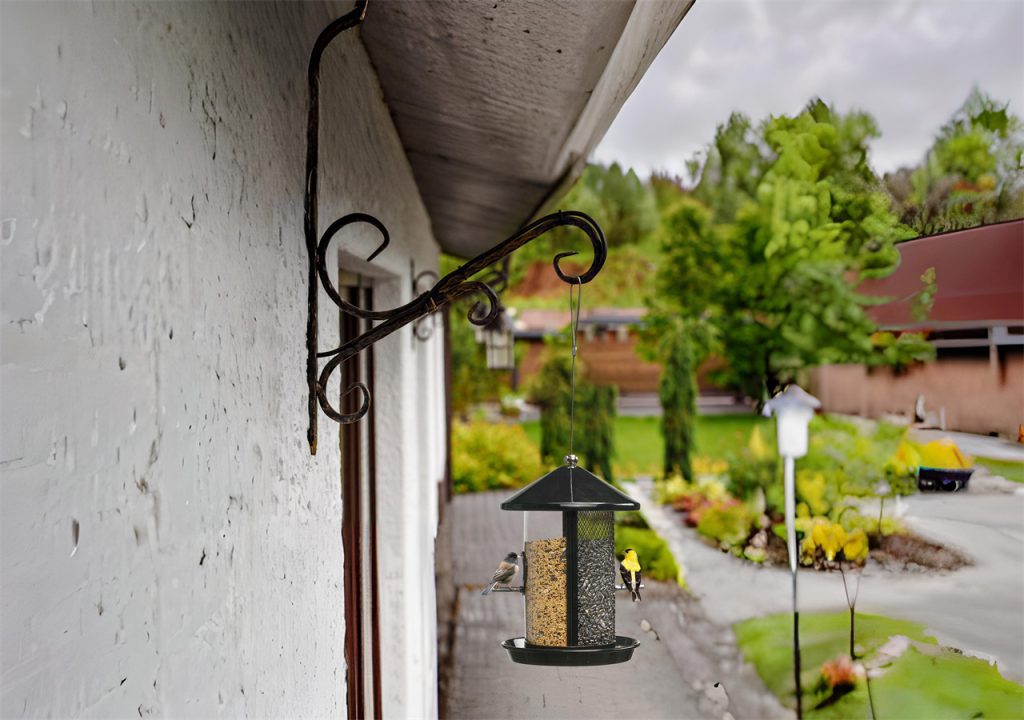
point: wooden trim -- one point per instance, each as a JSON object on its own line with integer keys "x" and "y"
{"x": 372, "y": 531}
{"x": 351, "y": 527}
{"x": 360, "y": 578}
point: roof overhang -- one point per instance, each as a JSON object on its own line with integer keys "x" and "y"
{"x": 500, "y": 103}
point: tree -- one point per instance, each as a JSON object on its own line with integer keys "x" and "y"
{"x": 972, "y": 175}
{"x": 786, "y": 221}
{"x": 624, "y": 206}
{"x": 677, "y": 391}
{"x": 596, "y": 420}
{"x": 551, "y": 389}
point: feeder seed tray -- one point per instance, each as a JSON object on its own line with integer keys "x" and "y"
{"x": 525, "y": 654}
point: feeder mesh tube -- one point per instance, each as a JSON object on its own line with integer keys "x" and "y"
{"x": 596, "y": 570}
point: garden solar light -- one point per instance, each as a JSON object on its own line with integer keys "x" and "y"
{"x": 793, "y": 410}
{"x": 569, "y": 568}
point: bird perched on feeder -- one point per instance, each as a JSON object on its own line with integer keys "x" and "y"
{"x": 629, "y": 568}
{"x": 506, "y": 570}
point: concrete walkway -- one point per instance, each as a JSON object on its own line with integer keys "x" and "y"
{"x": 978, "y": 609}
{"x": 672, "y": 674}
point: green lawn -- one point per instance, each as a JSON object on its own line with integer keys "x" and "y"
{"x": 1008, "y": 469}
{"x": 931, "y": 682}
{"x": 639, "y": 448}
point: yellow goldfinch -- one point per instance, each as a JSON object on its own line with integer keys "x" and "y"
{"x": 629, "y": 568}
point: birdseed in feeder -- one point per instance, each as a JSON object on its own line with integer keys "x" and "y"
{"x": 596, "y": 593}
{"x": 545, "y": 592}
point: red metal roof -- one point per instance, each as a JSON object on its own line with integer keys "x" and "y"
{"x": 979, "y": 275}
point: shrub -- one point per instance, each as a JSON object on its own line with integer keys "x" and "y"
{"x": 630, "y": 518}
{"x": 755, "y": 468}
{"x": 670, "y": 489}
{"x": 727, "y": 522}
{"x": 472, "y": 382}
{"x": 595, "y": 411}
{"x": 813, "y": 489}
{"x": 704, "y": 465}
{"x": 890, "y": 525}
{"x": 656, "y": 558}
{"x": 490, "y": 456}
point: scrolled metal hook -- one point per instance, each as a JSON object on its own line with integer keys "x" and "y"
{"x": 593, "y": 232}
{"x": 321, "y": 262}
{"x": 475, "y": 314}
{"x": 325, "y": 404}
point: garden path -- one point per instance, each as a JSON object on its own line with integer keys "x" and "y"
{"x": 976, "y": 609}
{"x": 672, "y": 674}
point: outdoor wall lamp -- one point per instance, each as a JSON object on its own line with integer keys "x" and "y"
{"x": 499, "y": 343}
{"x": 456, "y": 284}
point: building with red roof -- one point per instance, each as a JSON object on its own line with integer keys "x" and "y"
{"x": 976, "y": 324}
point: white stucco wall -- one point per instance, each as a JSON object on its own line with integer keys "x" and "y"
{"x": 153, "y": 359}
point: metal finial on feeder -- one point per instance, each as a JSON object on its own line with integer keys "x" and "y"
{"x": 572, "y": 461}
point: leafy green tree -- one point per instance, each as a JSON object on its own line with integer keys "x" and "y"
{"x": 732, "y": 167}
{"x": 972, "y": 175}
{"x": 625, "y": 207}
{"x": 668, "y": 190}
{"x": 791, "y": 219}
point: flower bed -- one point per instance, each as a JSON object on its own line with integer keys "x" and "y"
{"x": 736, "y": 505}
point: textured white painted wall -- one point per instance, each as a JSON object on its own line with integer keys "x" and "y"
{"x": 152, "y": 379}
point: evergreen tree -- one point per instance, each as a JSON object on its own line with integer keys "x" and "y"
{"x": 677, "y": 390}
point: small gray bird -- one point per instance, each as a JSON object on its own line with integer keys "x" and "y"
{"x": 507, "y": 570}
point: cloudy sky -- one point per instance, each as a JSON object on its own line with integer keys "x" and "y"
{"x": 910, "y": 63}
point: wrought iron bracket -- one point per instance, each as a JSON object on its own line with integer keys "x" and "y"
{"x": 452, "y": 286}
{"x": 421, "y": 330}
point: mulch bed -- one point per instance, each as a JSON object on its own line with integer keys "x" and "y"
{"x": 909, "y": 552}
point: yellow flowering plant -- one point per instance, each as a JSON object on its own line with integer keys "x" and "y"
{"x": 826, "y": 543}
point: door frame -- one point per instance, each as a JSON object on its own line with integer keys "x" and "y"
{"x": 358, "y": 447}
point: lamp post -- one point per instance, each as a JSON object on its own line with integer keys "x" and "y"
{"x": 793, "y": 409}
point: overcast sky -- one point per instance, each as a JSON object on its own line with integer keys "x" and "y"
{"x": 909, "y": 63}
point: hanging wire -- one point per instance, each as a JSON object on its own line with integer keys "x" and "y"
{"x": 574, "y": 325}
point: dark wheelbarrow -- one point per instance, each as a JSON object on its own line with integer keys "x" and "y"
{"x": 943, "y": 479}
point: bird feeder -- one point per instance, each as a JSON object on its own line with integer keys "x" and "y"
{"x": 569, "y": 573}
